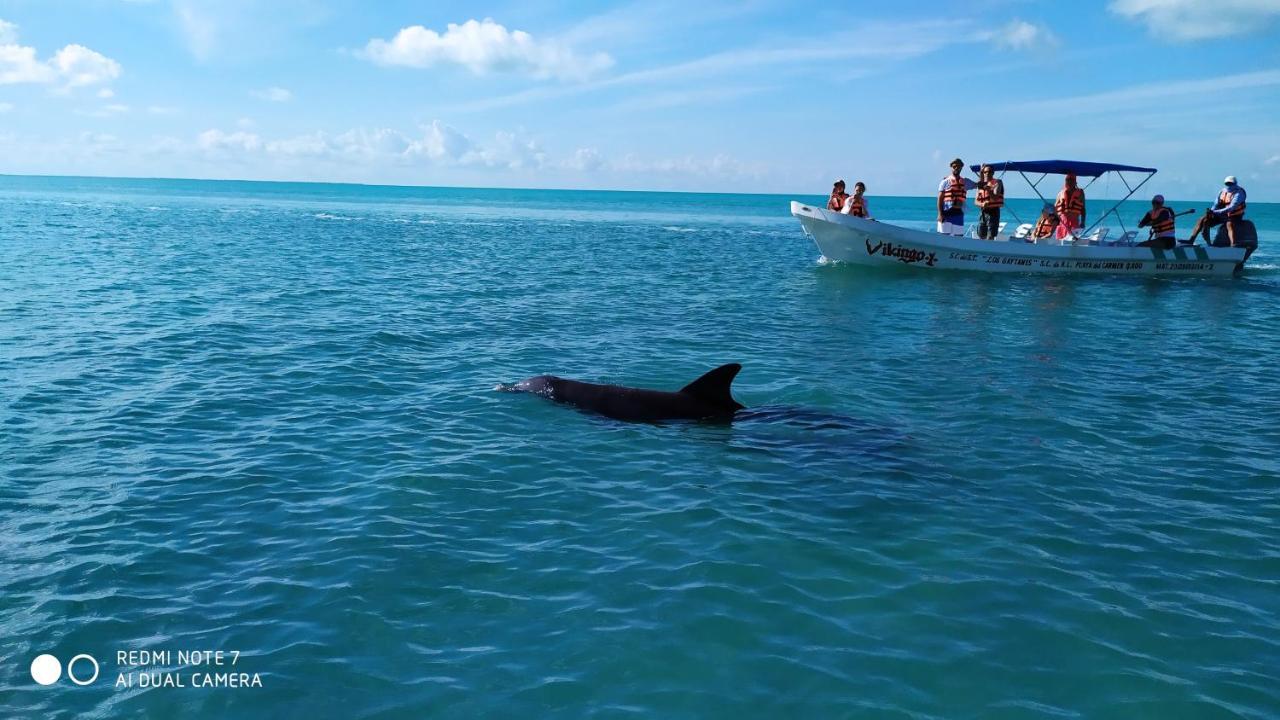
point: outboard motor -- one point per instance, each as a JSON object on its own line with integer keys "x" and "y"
{"x": 1246, "y": 237}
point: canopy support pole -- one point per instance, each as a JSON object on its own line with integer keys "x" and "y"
{"x": 1012, "y": 212}
{"x": 1114, "y": 208}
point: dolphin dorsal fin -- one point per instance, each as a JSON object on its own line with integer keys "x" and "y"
{"x": 713, "y": 387}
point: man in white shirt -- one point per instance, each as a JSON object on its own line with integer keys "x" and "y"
{"x": 952, "y": 192}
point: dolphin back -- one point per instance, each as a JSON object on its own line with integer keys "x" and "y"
{"x": 705, "y": 398}
{"x": 714, "y": 388}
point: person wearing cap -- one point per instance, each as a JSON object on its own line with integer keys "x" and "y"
{"x": 989, "y": 200}
{"x": 836, "y": 201}
{"x": 1069, "y": 206}
{"x": 1228, "y": 210}
{"x": 1160, "y": 219}
{"x": 952, "y": 192}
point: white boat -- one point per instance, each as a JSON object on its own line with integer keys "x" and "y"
{"x": 860, "y": 241}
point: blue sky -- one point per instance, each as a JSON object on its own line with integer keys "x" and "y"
{"x": 753, "y": 96}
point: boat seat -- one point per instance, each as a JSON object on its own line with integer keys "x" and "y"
{"x": 1126, "y": 239}
{"x": 1094, "y": 238}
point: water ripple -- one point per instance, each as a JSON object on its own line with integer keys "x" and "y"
{"x": 263, "y": 420}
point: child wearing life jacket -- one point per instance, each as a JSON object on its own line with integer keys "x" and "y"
{"x": 1047, "y": 223}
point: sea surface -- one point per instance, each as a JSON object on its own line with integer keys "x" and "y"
{"x": 261, "y": 418}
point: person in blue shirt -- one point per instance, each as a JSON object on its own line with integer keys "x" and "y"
{"x": 1228, "y": 210}
{"x": 952, "y": 192}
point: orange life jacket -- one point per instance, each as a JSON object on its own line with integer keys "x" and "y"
{"x": 836, "y": 201}
{"x": 991, "y": 195}
{"x": 1224, "y": 199}
{"x": 857, "y": 206}
{"x": 1044, "y": 228}
{"x": 1070, "y": 202}
{"x": 954, "y": 196}
{"x": 1162, "y": 222}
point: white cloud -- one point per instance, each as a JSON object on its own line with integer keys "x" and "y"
{"x": 18, "y": 64}
{"x": 200, "y": 28}
{"x": 439, "y": 145}
{"x": 219, "y": 141}
{"x": 511, "y": 150}
{"x": 485, "y": 47}
{"x": 720, "y": 166}
{"x": 1108, "y": 101}
{"x": 99, "y": 141}
{"x": 5, "y": 107}
{"x": 72, "y": 66}
{"x": 875, "y": 41}
{"x": 106, "y": 93}
{"x": 354, "y": 145}
{"x": 1022, "y": 35}
{"x": 440, "y": 142}
{"x": 585, "y": 160}
{"x": 8, "y": 33}
{"x": 1199, "y": 19}
{"x": 379, "y": 142}
{"x": 79, "y": 66}
{"x": 438, "y": 153}
{"x": 242, "y": 31}
{"x": 1273, "y": 160}
{"x": 273, "y": 94}
{"x": 164, "y": 145}
{"x": 694, "y": 96}
{"x": 310, "y": 145}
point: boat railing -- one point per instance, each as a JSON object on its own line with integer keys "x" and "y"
{"x": 1097, "y": 236}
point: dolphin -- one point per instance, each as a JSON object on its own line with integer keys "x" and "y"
{"x": 707, "y": 398}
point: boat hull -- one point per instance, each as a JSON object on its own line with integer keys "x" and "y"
{"x": 846, "y": 239}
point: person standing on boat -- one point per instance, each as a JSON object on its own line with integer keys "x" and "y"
{"x": 1229, "y": 210}
{"x": 838, "y": 196}
{"x": 989, "y": 200}
{"x": 1160, "y": 219}
{"x": 952, "y": 192}
{"x": 856, "y": 205}
{"x": 1069, "y": 206}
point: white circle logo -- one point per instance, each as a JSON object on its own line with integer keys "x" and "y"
{"x": 46, "y": 669}
{"x": 72, "y": 663}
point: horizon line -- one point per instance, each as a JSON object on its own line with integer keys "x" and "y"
{"x": 473, "y": 187}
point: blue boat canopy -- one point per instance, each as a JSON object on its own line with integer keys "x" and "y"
{"x": 1062, "y": 167}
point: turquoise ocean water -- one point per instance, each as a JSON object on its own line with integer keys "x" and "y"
{"x": 260, "y": 418}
